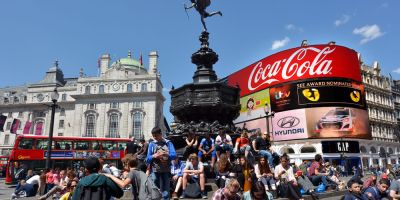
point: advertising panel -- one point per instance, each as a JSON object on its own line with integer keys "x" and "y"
{"x": 289, "y": 125}
{"x": 340, "y": 146}
{"x": 337, "y": 122}
{"x": 317, "y": 93}
{"x": 308, "y": 62}
{"x": 254, "y": 106}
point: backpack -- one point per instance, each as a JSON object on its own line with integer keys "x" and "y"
{"x": 147, "y": 189}
{"x": 89, "y": 193}
{"x": 193, "y": 190}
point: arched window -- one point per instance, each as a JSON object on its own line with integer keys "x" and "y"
{"x": 363, "y": 149}
{"x": 144, "y": 87}
{"x": 129, "y": 88}
{"x": 113, "y": 126}
{"x": 373, "y": 150}
{"x": 308, "y": 149}
{"x": 87, "y": 90}
{"x": 39, "y": 128}
{"x": 90, "y": 126}
{"x": 101, "y": 89}
{"x": 287, "y": 150}
{"x": 137, "y": 124}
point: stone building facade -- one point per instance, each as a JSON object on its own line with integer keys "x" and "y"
{"x": 124, "y": 100}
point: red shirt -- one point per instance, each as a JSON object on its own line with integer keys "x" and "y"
{"x": 311, "y": 170}
{"x": 50, "y": 177}
{"x": 242, "y": 141}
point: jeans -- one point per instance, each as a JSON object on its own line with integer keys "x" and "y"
{"x": 316, "y": 179}
{"x": 268, "y": 181}
{"x": 266, "y": 154}
{"x": 162, "y": 182}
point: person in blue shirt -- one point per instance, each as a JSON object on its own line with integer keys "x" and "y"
{"x": 206, "y": 148}
{"x": 159, "y": 155}
{"x": 176, "y": 176}
{"x": 377, "y": 192}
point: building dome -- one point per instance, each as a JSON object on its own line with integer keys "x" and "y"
{"x": 128, "y": 62}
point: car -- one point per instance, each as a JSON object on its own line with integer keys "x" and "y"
{"x": 338, "y": 119}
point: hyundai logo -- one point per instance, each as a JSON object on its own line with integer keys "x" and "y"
{"x": 288, "y": 122}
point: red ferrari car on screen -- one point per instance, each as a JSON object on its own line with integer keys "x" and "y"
{"x": 338, "y": 119}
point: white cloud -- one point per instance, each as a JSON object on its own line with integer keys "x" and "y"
{"x": 292, "y": 27}
{"x": 344, "y": 19}
{"x": 368, "y": 33}
{"x": 280, "y": 43}
{"x": 397, "y": 70}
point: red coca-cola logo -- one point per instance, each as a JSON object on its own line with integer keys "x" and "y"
{"x": 296, "y": 64}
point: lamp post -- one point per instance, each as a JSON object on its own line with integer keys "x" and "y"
{"x": 268, "y": 114}
{"x": 54, "y": 98}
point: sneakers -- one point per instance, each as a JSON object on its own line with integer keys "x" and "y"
{"x": 204, "y": 195}
{"x": 183, "y": 195}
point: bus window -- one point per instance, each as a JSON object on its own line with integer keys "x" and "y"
{"x": 41, "y": 144}
{"x": 25, "y": 144}
{"x": 121, "y": 145}
{"x": 109, "y": 146}
{"x": 97, "y": 146}
{"x": 81, "y": 145}
{"x": 63, "y": 145}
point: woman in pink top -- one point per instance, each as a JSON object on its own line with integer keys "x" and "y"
{"x": 49, "y": 180}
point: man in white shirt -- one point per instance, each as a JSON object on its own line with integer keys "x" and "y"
{"x": 114, "y": 170}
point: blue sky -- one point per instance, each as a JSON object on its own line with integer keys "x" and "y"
{"x": 35, "y": 33}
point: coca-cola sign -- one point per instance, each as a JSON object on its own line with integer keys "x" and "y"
{"x": 316, "y": 61}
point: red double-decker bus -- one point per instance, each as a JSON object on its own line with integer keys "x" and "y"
{"x": 30, "y": 152}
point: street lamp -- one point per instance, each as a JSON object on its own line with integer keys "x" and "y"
{"x": 54, "y": 97}
{"x": 268, "y": 114}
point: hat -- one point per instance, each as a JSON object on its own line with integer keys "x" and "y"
{"x": 299, "y": 173}
{"x": 92, "y": 164}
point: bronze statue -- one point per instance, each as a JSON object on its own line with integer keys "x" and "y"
{"x": 200, "y": 6}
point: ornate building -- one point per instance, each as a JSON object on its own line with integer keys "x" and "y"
{"x": 125, "y": 100}
{"x": 384, "y": 147}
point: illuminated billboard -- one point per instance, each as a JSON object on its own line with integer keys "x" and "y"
{"x": 253, "y": 106}
{"x": 315, "y": 92}
{"x": 301, "y": 63}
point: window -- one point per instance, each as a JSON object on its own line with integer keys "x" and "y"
{"x": 60, "y": 134}
{"x": 39, "y": 128}
{"x": 137, "y": 125}
{"x": 10, "y": 114}
{"x": 8, "y": 126}
{"x": 87, "y": 90}
{"x": 82, "y": 145}
{"x": 25, "y": 144}
{"x": 101, "y": 89}
{"x": 25, "y": 98}
{"x": 20, "y": 126}
{"x": 62, "y": 145}
{"x": 113, "y": 126}
{"x": 6, "y": 139}
{"x": 42, "y": 144}
{"x": 61, "y": 124}
{"x": 144, "y": 87}
{"x": 64, "y": 97}
{"x": 40, "y": 114}
{"x": 90, "y": 126}
{"x": 137, "y": 104}
{"x": 114, "y": 105}
{"x": 129, "y": 88}
{"x": 6, "y": 100}
{"x": 20, "y": 114}
{"x": 109, "y": 146}
{"x": 92, "y": 106}
{"x": 16, "y": 100}
{"x": 62, "y": 112}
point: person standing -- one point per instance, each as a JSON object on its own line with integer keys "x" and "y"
{"x": 95, "y": 185}
{"x": 159, "y": 156}
{"x": 131, "y": 147}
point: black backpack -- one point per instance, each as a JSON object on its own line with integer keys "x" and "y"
{"x": 89, "y": 193}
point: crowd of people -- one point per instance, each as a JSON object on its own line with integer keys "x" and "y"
{"x": 245, "y": 169}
